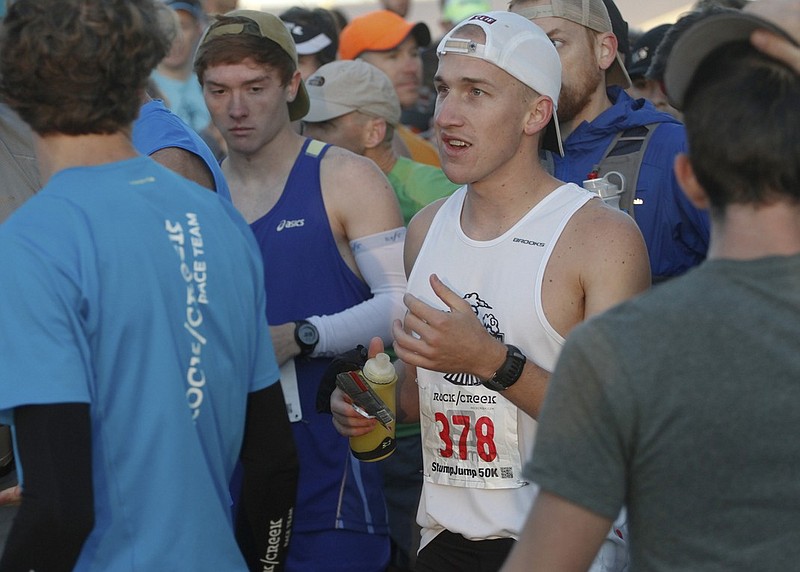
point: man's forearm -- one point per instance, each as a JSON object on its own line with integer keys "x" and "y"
{"x": 269, "y": 488}
{"x": 558, "y": 536}
{"x": 379, "y": 258}
{"x": 57, "y": 510}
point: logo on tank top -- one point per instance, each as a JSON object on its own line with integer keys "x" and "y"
{"x": 290, "y": 224}
{"x": 483, "y": 311}
{"x": 528, "y": 242}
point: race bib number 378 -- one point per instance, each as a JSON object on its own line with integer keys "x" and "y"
{"x": 469, "y": 437}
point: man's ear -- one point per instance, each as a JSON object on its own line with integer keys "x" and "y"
{"x": 606, "y": 49}
{"x": 692, "y": 188}
{"x": 293, "y": 86}
{"x": 539, "y": 114}
{"x": 374, "y": 132}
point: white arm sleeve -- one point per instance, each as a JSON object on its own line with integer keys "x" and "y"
{"x": 379, "y": 257}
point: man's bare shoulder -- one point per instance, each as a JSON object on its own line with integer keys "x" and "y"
{"x": 348, "y": 171}
{"x": 598, "y": 232}
{"x": 600, "y": 259}
{"x": 340, "y": 154}
{"x": 418, "y": 230}
{"x": 609, "y": 253}
{"x": 421, "y": 222}
{"x": 186, "y": 164}
{"x": 596, "y": 216}
{"x": 357, "y": 194}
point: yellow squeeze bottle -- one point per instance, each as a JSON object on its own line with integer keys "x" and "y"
{"x": 380, "y": 442}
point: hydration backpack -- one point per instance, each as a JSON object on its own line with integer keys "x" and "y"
{"x": 623, "y": 155}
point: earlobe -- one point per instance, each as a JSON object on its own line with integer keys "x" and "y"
{"x": 538, "y": 116}
{"x": 293, "y": 86}
{"x": 684, "y": 172}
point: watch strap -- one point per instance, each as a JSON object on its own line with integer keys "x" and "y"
{"x": 306, "y": 348}
{"x": 509, "y": 372}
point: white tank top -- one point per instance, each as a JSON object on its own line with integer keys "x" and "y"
{"x": 475, "y": 442}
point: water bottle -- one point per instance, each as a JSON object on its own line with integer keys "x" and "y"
{"x": 379, "y": 443}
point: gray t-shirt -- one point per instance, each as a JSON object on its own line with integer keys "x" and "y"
{"x": 20, "y": 175}
{"x": 684, "y": 405}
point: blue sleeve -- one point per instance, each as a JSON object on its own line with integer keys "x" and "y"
{"x": 157, "y": 128}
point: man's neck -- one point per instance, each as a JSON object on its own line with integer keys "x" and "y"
{"x": 274, "y": 160}
{"x": 56, "y": 152}
{"x": 747, "y": 232}
{"x": 384, "y": 157}
{"x": 498, "y": 202}
{"x": 257, "y": 179}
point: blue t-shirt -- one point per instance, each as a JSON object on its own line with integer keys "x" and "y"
{"x": 118, "y": 292}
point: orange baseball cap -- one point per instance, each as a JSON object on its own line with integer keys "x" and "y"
{"x": 379, "y": 31}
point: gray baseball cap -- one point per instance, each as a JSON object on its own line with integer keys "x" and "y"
{"x": 591, "y": 14}
{"x": 344, "y": 86}
{"x": 702, "y": 38}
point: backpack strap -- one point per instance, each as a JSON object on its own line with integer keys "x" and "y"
{"x": 624, "y": 155}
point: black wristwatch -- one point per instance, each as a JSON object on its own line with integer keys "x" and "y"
{"x": 508, "y": 373}
{"x": 306, "y": 336}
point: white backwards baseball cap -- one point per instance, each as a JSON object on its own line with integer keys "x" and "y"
{"x": 520, "y": 48}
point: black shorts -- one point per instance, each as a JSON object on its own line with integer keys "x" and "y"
{"x": 451, "y": 552}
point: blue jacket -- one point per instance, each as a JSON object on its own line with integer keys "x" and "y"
{"x": 676, "y": 232}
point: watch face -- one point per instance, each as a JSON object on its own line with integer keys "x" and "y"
{"x": 307, "y": 334}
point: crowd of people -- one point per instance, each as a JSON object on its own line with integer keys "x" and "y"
{"x": 207, "y": 209}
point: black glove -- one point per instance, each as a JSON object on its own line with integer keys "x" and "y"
{"x": 351, "y": 360}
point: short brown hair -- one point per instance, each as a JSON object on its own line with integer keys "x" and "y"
{"x": 738, "y": 160}
{"x": 78, "y": 66}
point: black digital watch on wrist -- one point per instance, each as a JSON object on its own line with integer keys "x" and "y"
{"x": 306, "y": 336}
{"x": 509, "y": 372}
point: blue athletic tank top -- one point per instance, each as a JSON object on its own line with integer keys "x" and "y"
{"x": 305, "y": 275}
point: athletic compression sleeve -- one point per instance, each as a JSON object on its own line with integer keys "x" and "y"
{"x": 269, "y": 486}
{"x": 54, "y": 443}
{"x": 380, "y": 259}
